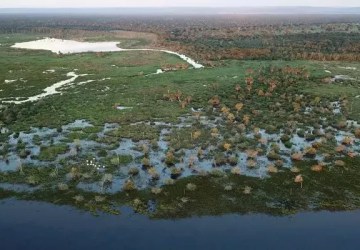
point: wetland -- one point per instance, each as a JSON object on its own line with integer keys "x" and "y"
{"x": 111, "y": 123}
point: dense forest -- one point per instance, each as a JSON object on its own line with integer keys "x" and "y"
{"x": 216, "y": 37}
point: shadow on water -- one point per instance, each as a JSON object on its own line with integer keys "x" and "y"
{"x": 37, "y": 225}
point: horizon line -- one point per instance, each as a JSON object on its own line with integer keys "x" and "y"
{"x": 172, "y": 7}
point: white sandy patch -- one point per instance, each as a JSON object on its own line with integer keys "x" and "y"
{"x": 85, "y": 82}
{"x": 158, "y": 71}
{"x": 336, "y": 107}
{"x": 54, "y": 89}
{"x": 352, "y": 123}
{"x": 10, "y": 81}
{"x": 349, "y": 68}
{"x": 4, "y": 130}
{"x": 69, "y": 47}
{"x": 183, "y": 57}
{"x": 51, "y": 90}
{"x": 104, "y": 79}
{"x": 89, "y": 81}
{"x": 343, "y": 77}
{"x": 49, "y": 71}
{"x": 123, "y": 108}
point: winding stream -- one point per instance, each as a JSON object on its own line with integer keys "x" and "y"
{"x": 67, "y": 47}
{"x": 51, "y": 90}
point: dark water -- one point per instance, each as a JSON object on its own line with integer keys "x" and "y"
{"x": 36, "y": 225}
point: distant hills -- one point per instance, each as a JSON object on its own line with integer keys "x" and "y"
{"x": 188, "y": 11}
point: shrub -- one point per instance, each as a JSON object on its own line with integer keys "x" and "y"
{"x": 133, "y": 171}
{"x": 129, "y": 186}
{"x": 191, "y": 187}
{"x": 63, "y": 187}
{"x": 156, "y": 190}
{"x": 272, "y": 169}
{"x": 236, "y": 170}
{"x": 79, "y": 198}
{"x": 247, "y": 190}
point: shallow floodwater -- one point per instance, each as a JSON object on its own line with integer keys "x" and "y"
{"x": 38, "y": 225}
{"x": 51, "y": 90}
{"x": 143, "y": 179}
{"x": 68, "y": 46}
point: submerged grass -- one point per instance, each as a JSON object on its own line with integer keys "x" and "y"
{"x": 278, "y": 195}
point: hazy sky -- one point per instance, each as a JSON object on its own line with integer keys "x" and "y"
{"x": 170, "y": 3}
